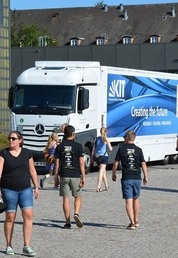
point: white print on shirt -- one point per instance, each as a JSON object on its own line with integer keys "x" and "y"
{"x": 68, "y": 156}
{"x": 131, "y": 158}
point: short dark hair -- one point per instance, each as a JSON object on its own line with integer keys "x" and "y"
{"x": 68, "y": 131}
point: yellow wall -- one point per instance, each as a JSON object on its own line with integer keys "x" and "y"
{"x": 4, "y": 64}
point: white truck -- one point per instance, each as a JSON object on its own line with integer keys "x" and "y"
{"x": 89, "y": 96}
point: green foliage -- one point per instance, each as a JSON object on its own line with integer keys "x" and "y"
{"x": 24, "y": 35}
{"x": 100, "y": 4}
{"x": 3, "y": 141}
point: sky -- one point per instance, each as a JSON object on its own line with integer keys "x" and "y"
{"x": 46, "y": 4}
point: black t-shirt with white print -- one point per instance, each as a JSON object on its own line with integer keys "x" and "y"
{"x": 69, "y": 152}
{"x": 131, "y": 157}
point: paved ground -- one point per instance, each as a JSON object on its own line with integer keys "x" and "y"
{"x": 104, "y": 233}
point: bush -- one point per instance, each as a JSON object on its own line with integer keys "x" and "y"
{"x": 3, "y": 141}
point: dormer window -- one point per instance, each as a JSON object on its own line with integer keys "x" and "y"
{"x": 126, "y": 39}
{"x": 101, "y": 41}
{"x": 43, "y": 41}
{"x": 155, "y": 39}
{"x": 76, "y": 41}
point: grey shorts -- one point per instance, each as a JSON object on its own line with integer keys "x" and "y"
{"x": 70, "y": 185}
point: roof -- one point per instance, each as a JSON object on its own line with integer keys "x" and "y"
{"x": 93, "y": 22}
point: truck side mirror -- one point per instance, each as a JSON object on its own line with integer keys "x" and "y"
{"x": 83, "y": 99}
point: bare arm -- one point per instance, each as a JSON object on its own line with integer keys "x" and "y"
{"x": 1, "y": 169}
{"x": 56, "y": 171}
{"x": 145, "y": 176}
{"x": 82, "y": 170}
{"x": 114, "y": 169}
{"x": 34, "y": 177}
{"x": 109, "y": 144}
{"x": 1, "y": 165}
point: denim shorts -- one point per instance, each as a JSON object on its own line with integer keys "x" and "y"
{"x": 104, "y": 160}
{"x": 13, "y": 199}
{"x": 131, "y": 188}
{"x": 70, "y": 185}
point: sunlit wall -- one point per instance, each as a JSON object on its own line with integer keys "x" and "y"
{"x": 4, "y": 64}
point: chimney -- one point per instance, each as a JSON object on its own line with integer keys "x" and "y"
{"x": 173, "y": 12}
{"x": 125, "y": 15}
{"x": 121, "y": 7}
{"x": 105, "y": 8}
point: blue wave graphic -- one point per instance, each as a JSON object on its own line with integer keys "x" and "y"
{"x": 155, "y": 97}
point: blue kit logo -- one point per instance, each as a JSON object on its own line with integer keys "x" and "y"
{"x": 116, "y": 89}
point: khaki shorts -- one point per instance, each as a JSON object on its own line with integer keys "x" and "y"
{"x": 70, "y": 185}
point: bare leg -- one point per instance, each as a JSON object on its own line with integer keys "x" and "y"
{"x": 27, "y": 215}
{"x": 100, "y": 176}
{"x": 66, "y": 209}
{"x": 77, "y": 204}
{"x": 136, "y": 208}
{"x": 104, "y": 176}
{"x": 130, "y": 211}
{"x": 9, "y": 227}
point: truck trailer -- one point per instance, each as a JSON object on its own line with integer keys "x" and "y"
{"x": 90, "y": 96}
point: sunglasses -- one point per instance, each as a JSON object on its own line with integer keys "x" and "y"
{"x": 13, "y": 138}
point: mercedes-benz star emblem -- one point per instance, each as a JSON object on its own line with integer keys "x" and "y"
{"x": 39, "y": 129}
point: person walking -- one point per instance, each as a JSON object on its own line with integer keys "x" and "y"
{"x": 53, "y": 141}
{"x": 16, "y": 172}
{"x": 101, "y": 157}
{"x": 69, "y": 157}
{"x": 132, "y": 161}
{"x": 62, "y": 130}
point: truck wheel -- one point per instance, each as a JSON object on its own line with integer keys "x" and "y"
{"x": 173, "y": 159}
{"x": 165, "y": 160}
{"x": 87, "y": 159}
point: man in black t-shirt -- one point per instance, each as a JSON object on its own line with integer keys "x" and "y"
{"x": 132, "y": 160}
{"x": 69, "y": 157}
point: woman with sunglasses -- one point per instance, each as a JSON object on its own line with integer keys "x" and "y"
{"x": 16, "y": 172}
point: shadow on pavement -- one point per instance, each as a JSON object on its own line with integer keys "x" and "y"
{"x": 159, "y": 189}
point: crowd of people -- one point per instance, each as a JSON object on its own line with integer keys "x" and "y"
{"x": 66, "y": 163}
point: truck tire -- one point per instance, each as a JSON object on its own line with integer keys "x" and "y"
{"x": 87, "y": 159}
{"x": 173, "y": 159}
{"x": 165, "y": 161}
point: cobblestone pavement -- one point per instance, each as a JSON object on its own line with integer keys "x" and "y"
{"x": 104, "y": 233}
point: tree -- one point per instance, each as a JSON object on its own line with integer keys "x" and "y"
{"x": 23, "y": 35}
{"x": 100, "y": 4}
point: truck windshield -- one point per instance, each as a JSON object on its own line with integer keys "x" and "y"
{"x": 44, "y": 99}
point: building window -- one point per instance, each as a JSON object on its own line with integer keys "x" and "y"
{"x": 74, "y": 42}
{"x": 126, "y": 40}
{"x": 154, "y": 39}
{"x": 43, "y": 41}
{"x": 100, "y": 41}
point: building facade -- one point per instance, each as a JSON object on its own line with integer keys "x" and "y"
{"x": 137, "y": 36}
{"x": 4, "y": 64}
